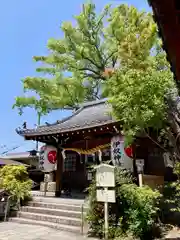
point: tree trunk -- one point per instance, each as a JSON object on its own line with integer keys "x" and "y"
{"x": 173, "y": 132}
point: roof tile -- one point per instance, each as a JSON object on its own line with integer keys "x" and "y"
{"x": 89, "y": 115}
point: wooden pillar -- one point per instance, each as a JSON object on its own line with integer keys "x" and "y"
{"x": 59, "y": 172}
{"x": 134, "y": 158}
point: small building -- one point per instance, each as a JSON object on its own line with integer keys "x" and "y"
{"x": 86, "y": 136}
{"x": 28, "y": 157}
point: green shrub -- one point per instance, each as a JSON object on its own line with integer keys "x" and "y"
{"x": 15, "y": 180}
{"x": 171, "y": 191}
{"x": 139, "y": 209}
{"x": 175, "y": 186}
{"x": 134, "y": 213}
{"x": 95, "y": 214}
{"x": 170, "y": 203}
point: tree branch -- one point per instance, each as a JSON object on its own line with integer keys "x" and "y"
{"x": 88, "y": 35}
{"x": 72, "y": 100}
{"x": 110, "y": 56}
{"x": 89, "y": 69}
{"x": 154, "y": 141}
{"x": 91, "y": 61}
{"x": 94, "y": 76}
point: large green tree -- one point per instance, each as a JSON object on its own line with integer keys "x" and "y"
{"x": 115, "y": 54}
{"x": 73, "y": 70}
{"x": 139, "y": 86}
{"x": 142, "y": 90}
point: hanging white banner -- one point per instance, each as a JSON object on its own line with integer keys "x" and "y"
{"x": 120, "y": 155}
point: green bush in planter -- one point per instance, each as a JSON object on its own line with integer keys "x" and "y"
{"x": 135, "y": 211}
{"x": 15, "y": 180}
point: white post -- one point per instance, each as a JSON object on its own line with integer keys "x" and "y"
{"x": 140, "y": 168}
{"x": 140, "y": 179}
{"x": 106, "y": 224}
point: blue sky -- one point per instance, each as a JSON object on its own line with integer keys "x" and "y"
{"x": 25, "y": 28}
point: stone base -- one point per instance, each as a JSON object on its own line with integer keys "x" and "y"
{"x": 48, "y": 177}
{"x": 51, "y": 187}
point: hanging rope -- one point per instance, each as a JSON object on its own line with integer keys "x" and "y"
{"x": 89, "y": 151}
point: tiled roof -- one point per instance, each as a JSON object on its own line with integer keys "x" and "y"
{"x": 89, "y": 115}
{"x": 9, "y": 162}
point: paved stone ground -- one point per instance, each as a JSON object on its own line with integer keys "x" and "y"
{"x": 15, "y": 231}
{"x": 174, "y": 234}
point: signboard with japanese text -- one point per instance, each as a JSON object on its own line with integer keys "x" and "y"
{"x": 140, "y": 162}
{"x": 104, "y": 195}
{"x": 89, "y": 176}
{"x": 105, "y": 178}
{"x": 140, "y": 165}
{"x": 47, "y": 158}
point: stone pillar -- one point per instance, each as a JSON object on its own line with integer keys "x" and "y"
{"x": 59, "y": 172}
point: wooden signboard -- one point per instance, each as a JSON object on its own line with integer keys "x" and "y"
{"x": 105, "y": 177}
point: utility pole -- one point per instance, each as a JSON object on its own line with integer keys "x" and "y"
{"x": 38, "y": 124}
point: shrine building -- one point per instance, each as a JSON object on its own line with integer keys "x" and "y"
{"x": 90, "y": 136}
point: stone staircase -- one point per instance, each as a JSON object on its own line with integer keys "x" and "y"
{"x": 61, "y": 214}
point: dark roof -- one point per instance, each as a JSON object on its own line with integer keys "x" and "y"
{"x": 167, "y": 17}
{"x": 10, "y": 162}
{"x": 89, "y": 115}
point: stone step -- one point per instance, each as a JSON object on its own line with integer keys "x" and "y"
{"x": 61, "y": 227}
{"x": 62, "y": 206}
{"x": 68, "y": 201}
{"x": 52, "y": 211}
{"x": 50, "y": 218}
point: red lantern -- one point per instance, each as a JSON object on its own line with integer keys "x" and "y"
{"x": 129, "y": 151}
{"x": 52, "y": 157}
